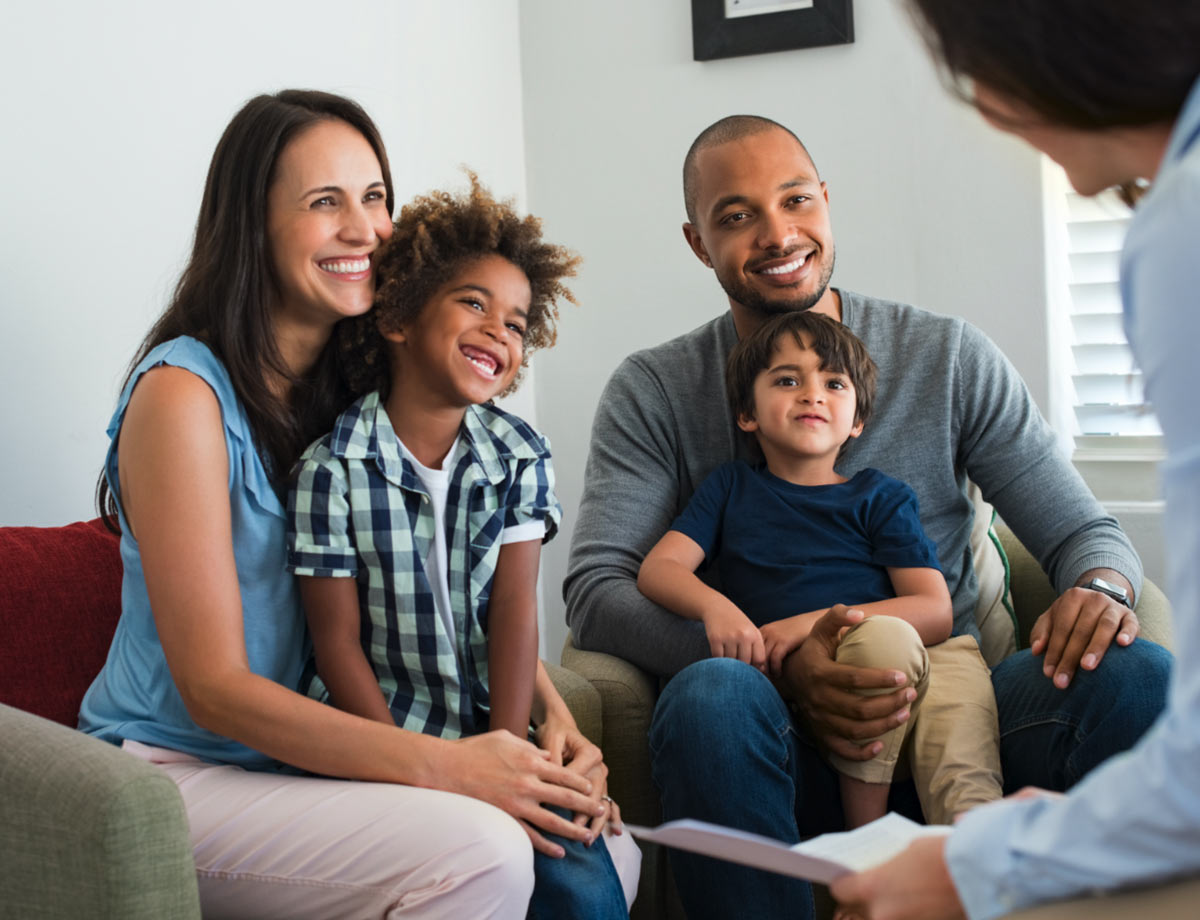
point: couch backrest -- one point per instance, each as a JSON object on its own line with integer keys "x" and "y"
{"x": 60, "y": 597}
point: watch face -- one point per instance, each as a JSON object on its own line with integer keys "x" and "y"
{"x": 1116, "y": 592}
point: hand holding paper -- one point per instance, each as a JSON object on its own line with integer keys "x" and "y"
{"x": 821, "y": 859}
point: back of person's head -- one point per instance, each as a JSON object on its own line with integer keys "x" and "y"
{"x": 434, "y": 238}
{"x": 839, "y": 350}
{"x": 726, "y": 130}
{"x": 226, "y": 293}
{"x": 1087, "y": 64}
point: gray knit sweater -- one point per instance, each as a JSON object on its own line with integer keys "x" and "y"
{"x": 949, "y": 407}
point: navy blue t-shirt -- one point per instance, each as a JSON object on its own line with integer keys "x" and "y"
{"x": 781, "y": 549}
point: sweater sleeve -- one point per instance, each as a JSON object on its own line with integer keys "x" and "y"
{"x": 630, "y": 497}
{"x": 1010, "y": 452}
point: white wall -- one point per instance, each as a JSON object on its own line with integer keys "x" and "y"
{"x": 110, "y": 114}
{"x": 929, "y": 205}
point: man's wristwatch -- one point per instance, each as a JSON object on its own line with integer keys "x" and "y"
{"x": 1116, "y": 592}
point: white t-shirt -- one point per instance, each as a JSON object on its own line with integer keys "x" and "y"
{"x": 437, "y": 566}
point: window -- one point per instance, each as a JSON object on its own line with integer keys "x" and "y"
{"x": 1097, "y": 404}
{"x": 1100, "y": 388}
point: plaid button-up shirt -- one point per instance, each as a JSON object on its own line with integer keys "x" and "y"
{"x": 358, "y": 510}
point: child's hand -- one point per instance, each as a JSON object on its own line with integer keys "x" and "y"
{"x": 552, "y": 736}
{"x": 569, "y": 747}
{"x": 732, "y": 635}
{"x": 783, "y": 637}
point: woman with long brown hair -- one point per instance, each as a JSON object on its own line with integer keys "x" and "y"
{"x": 232, "y": 383}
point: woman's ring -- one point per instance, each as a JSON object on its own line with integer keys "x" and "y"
{"x": 609, "y": 799}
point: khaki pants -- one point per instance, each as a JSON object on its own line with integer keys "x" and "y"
{"x": 951, "y": 742}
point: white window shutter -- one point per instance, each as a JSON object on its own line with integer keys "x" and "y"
{"x": 1110, "y": 407}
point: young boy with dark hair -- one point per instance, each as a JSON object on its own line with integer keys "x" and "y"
{"x": 790, "y": 538}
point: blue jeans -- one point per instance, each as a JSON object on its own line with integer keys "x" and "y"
{"x": 724, "y": 748}
{"x": 582, "y": 884}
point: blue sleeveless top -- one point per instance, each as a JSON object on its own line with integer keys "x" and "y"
{"x": 134, "y": 696}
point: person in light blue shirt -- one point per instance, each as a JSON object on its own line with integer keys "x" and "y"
{"x": 1111, "y": 91}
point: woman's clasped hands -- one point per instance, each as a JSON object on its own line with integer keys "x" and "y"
{"x": 528, "y": 782}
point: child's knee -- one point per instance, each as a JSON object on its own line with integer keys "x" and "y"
{"x": 885, "y": 642}
{"x": 585, "y": 882}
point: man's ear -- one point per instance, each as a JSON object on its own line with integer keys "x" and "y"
{"x": 692, "y": 235}
{"x": 749, "y": 424}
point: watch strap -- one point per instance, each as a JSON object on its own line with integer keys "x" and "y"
{"x": 1116, "y": 592}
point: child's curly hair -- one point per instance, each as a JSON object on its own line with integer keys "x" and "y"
{"x": 434, "y": 236}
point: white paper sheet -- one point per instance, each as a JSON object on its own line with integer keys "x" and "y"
{"x": 821, "y": 859}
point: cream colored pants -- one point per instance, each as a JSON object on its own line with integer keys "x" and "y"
{"x": 951, "y": 741}
{"x": 293, "y": 847}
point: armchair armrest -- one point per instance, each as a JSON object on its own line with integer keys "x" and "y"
{"x": 88, "y": 830}
{"x": 581, "y": 698}
{"x": 627, "y": 695}
{"x": 1154, "y": 615}
{"x": 1032, "y": 593}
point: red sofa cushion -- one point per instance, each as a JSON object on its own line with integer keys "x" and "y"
{"x": 60, "y": 597}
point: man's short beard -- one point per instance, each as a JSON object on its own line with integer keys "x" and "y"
{"x": 754, "y": 300}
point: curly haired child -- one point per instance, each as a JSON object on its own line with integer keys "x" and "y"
{"x": 416, "y": 524}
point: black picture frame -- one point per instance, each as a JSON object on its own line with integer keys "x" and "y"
{"x": 826, "y": 22}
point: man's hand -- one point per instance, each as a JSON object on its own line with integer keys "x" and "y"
{"x": 829, "y": 694}
{"x": 731, "y": 634}
{"x": 915, "y": 885}
{"x": 1079, "y": 627}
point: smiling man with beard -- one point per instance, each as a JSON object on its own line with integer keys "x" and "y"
{"x": 726, "y": 745}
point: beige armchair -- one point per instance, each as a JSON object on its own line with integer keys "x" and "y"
{"x": 628, "y": 694}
